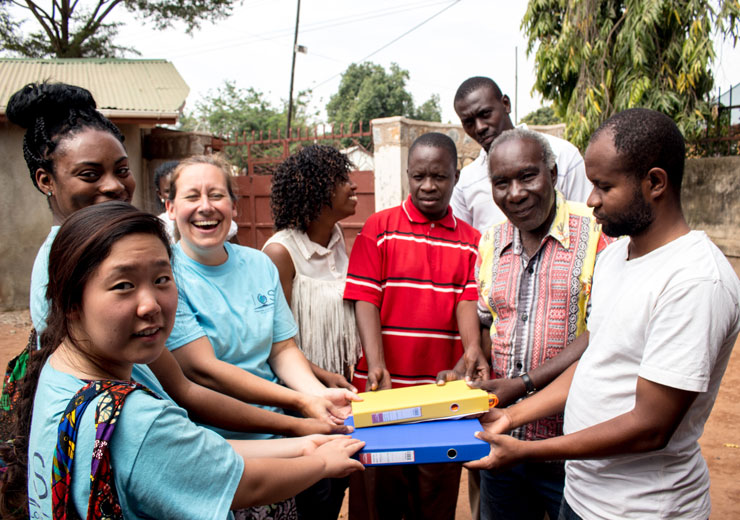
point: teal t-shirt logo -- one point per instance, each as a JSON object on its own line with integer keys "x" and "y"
{"x": 264, "y": 300}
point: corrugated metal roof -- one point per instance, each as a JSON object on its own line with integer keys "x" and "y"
{"x": 120, "y": 87}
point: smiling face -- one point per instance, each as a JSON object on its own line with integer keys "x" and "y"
{"x": 432, "y": 175}
{"x": 202, "y": 209}
{"x": 90, "y": 167}
{"x": 522, "y": 185}
{"x": 619, "y": 204}
{"x": 344, "y": 200}
{"x": 128, "y": 305}
{"x": 483, "y": 115}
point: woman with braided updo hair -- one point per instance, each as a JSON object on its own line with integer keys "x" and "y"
{"x": 75, "y": 157}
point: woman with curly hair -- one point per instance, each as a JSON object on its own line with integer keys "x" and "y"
{"x": 311, "y": 193}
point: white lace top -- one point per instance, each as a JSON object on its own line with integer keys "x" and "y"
{"x": 327, "y": 331}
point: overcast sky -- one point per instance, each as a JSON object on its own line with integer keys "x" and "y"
{"x": 463, "y": 38}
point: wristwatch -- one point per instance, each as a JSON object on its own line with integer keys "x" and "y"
{"x": 528, "y": 384}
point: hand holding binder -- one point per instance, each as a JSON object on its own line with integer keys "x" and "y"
{"x": 421, "y": 443}
{"x": 420, "y": 403}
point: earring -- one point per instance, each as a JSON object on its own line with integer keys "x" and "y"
{"x": 49, "y": 194}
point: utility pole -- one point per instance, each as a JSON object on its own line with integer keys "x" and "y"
{"x": 516, "y": 85}
{"x": 292, "y": 69}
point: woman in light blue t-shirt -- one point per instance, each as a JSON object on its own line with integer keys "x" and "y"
{"x": 234, "y": 331}
{"x": 112, "y": 304}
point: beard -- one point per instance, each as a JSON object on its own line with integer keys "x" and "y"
{"x": 633, "y": 222}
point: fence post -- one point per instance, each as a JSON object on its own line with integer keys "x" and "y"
{"x": 390, "y": 157}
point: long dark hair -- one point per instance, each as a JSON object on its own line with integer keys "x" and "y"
{"x": 84, "y": 241}
{"x": 50, "y": 112}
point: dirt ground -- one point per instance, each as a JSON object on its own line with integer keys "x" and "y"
{"x": 720, "y": 442}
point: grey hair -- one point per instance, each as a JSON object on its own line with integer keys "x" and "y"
{"x": 548, "y": 156}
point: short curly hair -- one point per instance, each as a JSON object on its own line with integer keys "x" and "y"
{"x": 304, "y": 183}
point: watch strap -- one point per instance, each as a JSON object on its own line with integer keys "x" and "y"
{"x": 528, "y": 384}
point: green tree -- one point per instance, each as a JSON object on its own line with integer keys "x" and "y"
{"x": 429, "y": 110}
{"x": 230, "y": 111}
{"x": 367, "y": 92}
{"x": 78, "y": 29}
{"x": 542, "y": 116}
{"x": 597, "y": 57}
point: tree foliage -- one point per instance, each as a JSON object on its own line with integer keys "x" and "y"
{"x": 542, "y": 116}
{"x": 597, "y": 57}
{"x": 367, "y": 92}
{"x": 231, "y": 111}
{"x": 79, "y": 29}
{"x": 429, "y": 110}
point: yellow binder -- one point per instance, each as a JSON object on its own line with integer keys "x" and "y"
{"x": 420, "y": 403}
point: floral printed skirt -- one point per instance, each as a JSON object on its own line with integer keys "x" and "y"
{"x": 284, "y": 510}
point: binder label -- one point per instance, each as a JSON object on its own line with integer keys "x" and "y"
{"x": 396, "y": 415}
{"x": 387, "y": 457}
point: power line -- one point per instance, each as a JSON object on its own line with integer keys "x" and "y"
{"x": 280, "y": 34}
{"x": 392, "y": 41}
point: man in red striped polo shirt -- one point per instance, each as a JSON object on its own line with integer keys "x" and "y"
{"x": 412, "y": 278}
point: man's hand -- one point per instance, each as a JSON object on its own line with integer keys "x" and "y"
{"x": 508, "y": 390}
{"x": 496, "y": 421}
{"x": 505, "y": 452}
{"x": 378, "y": 378}
{"x": 445, "y": 376}
{"x": 476, "y": 365}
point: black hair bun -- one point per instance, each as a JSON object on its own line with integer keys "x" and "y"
{"x": 53, "y": 101}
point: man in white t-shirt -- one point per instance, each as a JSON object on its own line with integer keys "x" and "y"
{"x": 664, "y": 318}
{"x": 484, "y": 114}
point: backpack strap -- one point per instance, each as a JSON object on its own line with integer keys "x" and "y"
{"x": 103, "y": 502}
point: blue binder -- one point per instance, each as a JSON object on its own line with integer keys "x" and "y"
{"x": 420, "y": 443}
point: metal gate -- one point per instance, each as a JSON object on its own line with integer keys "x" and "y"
{"x": 258, "y": 155}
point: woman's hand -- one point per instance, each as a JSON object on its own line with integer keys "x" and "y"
{"x": 341, "y": 400}
{"x": 312, "y": 426}
{"x": 331, "y": 405}
{"x": 312, "y": 442}
{"x": 506, "y": 451}
{"x": 336, "y": 455}
{"x": 332, "y": 380}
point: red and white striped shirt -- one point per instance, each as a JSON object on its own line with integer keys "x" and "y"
{"x": 415, "y": 271}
